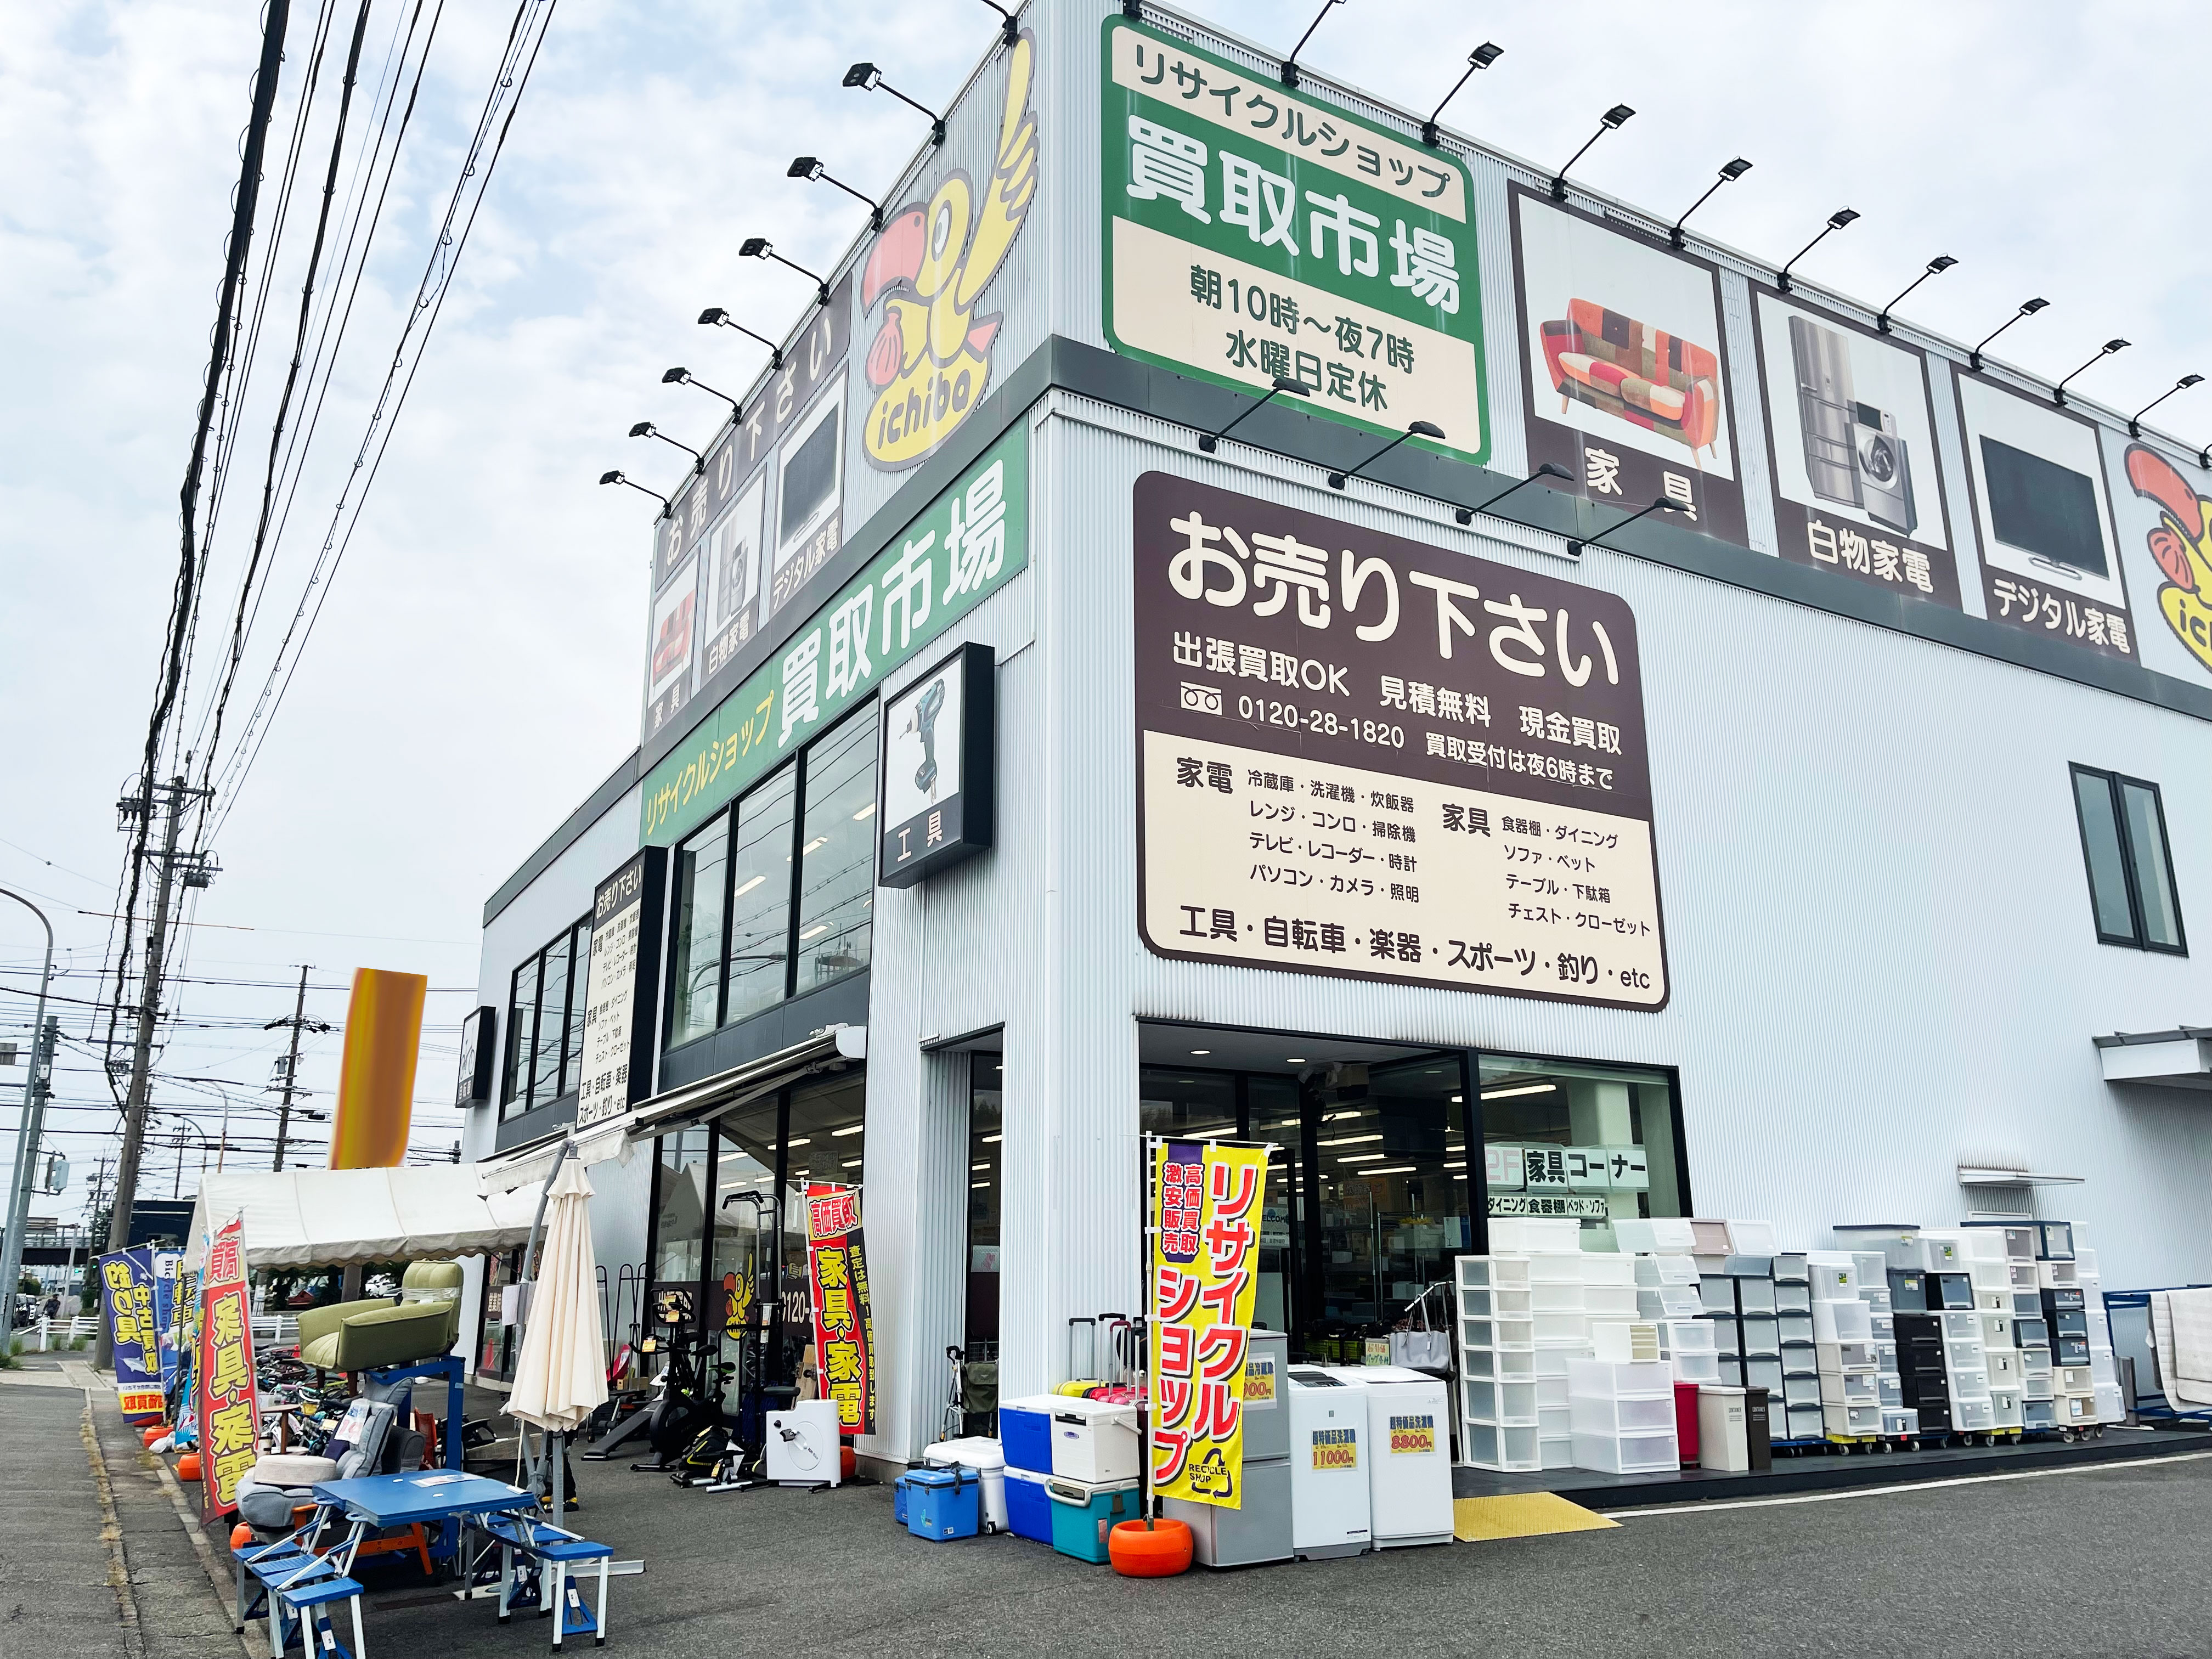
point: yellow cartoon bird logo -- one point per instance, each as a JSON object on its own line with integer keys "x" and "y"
{"x": 2181, "y": 542}
{"x": 930, "y": 360}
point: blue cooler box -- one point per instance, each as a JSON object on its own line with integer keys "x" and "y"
{"x": 898, "y": 1500}
{"x": 1025, "y": 1432}
{"x": 1028, "y": 1505}
{"x": 1082, "y": 1514}
{"x": 942, "y": 1504}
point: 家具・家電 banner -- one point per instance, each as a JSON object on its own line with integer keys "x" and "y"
{"x": 1359, "y": 755}
{"x": 1253, "y": 233}
{"x": 844, "y": 1325}
{"x": 1207, "y": 1205}
{"x": 230, "y": 1412}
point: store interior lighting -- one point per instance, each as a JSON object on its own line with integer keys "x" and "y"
{"x": 1519, "y": 1089}
{"x": 1413, "y": 429}
{"x": 1574, "y": 548}
{"x": 2058, "y": 391}
{"x": 681, "y": 376}
{"x": 715, "y": 317}
{"x": 810, "y": 167}
{"x": 646, "y": 429}
{"x": 1615, "y": 116}
{"x": 2028, "y": 308}
{"x": 1936, "y": 267}
{"x": 759, "y": 247}
{"x": 1729, "y": 174}
{"x": 617, "y": 478}
{"x": 1841, "y": 219}
{"x": 1480, "y": 58}
{"x": 1547, "y": 470}
{"x": 866, "y": 77}
{"x": 2135, "y": 421}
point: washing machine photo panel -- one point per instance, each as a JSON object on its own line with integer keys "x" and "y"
{"x": 1622, "y": 365}
{"x": 1858, "y": 489}
{"x": 731, "y": 579}
{"x": 2041, "y": 509}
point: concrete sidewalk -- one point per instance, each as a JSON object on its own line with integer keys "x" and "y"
{"x": 95, "y": 1557}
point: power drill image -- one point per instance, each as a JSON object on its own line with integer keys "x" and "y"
{"x": 923, "y": 722}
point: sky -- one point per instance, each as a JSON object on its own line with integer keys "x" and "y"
{"x": 474, "y": 672}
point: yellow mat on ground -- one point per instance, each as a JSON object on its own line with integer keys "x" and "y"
{"x": 1521, "y": 1514}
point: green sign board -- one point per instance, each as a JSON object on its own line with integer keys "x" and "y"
{"x": 1252, "y": 234}
{"x": 967, "y": 545}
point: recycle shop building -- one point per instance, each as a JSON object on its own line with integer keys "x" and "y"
{"x": 1022, "y": 774}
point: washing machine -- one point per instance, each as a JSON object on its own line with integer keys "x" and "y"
{"x": 1409, "y": 1482}
{"x": 1329, "y": 1454}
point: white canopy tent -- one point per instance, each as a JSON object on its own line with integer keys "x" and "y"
{"x": 338, "y": 1218}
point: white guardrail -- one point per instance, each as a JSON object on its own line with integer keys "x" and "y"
{"x": 48, "y": 1335}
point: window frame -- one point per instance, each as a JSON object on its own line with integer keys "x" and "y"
{"x": 519, "y": 1050}
{"x": 2115, "y": 784}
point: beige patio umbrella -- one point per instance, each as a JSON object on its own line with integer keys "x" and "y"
{"x": 560, "y": 1376}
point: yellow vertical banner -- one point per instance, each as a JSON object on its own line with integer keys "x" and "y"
{"x": 376, "y": 1077}
{"x": 1205, "y": 1227}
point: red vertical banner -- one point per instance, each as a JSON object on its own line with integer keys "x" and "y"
{"x": 844, "y": 1325}
{"x": 230, "y": 1415}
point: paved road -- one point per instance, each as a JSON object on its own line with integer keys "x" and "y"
{"x": 2104, "y": 1561}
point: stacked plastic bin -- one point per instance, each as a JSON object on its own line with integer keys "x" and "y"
{"x": 1871, "y": 1269}
{"x": 2104, "y": 1370}
{"x": 2065, "y": 1304}
{"x": 1739, "y": 1293}
{"x": 1801, "y": 1358}
{"x": 1523, "y": 1315}
{"x": 1843, "y": 1337}
{"x": 1623, "y": 1416}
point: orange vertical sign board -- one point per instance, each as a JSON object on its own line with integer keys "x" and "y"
{"x": 376, "y": 1079}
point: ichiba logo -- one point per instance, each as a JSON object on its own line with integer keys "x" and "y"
{"x": 2182, "y": 545}
{"x": 930, "y": 360}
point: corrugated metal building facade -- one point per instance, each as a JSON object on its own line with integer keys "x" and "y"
{"x": 1883, "y": 961}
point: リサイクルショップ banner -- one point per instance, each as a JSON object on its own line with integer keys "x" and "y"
{"x": 1359, "y": 755}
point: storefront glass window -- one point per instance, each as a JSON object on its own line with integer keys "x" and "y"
{"x": 1564, "y": 1137}
{"x": 521, "y": 1024}
{"x": 825, "y": 1139}
{"x": 552, "y": 1023}
{"x": 1390, "y": 1214}
{"x": 580, "y": 978}
{"x": 1271, "y": 1114}
{"x": 741, "y": 1288}
{"x": 695, "y": 975}
{"x": 837, "y": 880}
{"x": 1192, "y": 1105}
{"x": 760, "y": 899}
{"x": 680, "y": 1222}
{"x": 986, "y": 1121}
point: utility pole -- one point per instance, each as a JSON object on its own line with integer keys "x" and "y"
{"x": 35, "y": 1092}
{"x": 299, "y": 1022}
{"x": 198, "y": 871}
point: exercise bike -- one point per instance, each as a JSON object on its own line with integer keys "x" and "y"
{"x": 689, "y": 1404}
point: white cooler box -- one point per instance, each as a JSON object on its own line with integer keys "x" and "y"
{"x": 1094, "y": 1441}
{"x": 989, "y": 1459}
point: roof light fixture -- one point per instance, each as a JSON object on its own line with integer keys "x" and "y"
{"x": 759, "y": 247}
{"x": 714, "y": 316}
{"x": 2028, "y": 308}
{"x": 1291, "y": 63}
{"x": 866, "y": 77}
{"x": 1936, "y": 267}
{"x": 811, "y": 167}
{"x": 613, "y": 478}
{"x": 646, "y": 429}
{"x": 1210, "y": 441}
{"x": 1415, "y": 429}
{"x": 2058, "y": 391}
{"x": 1617, "y": 116}
{"x": 2135, "y": 421}
{"x": 1480, "y": 58}
{"x": 1663, "y": 505}
{"x": 1840, "y": 219}
{"x": 1010, "y": 30}
{"x": 1548, "y": 470}
{"x": 1729, "y": 174}
{"x": 681, "y": 376}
